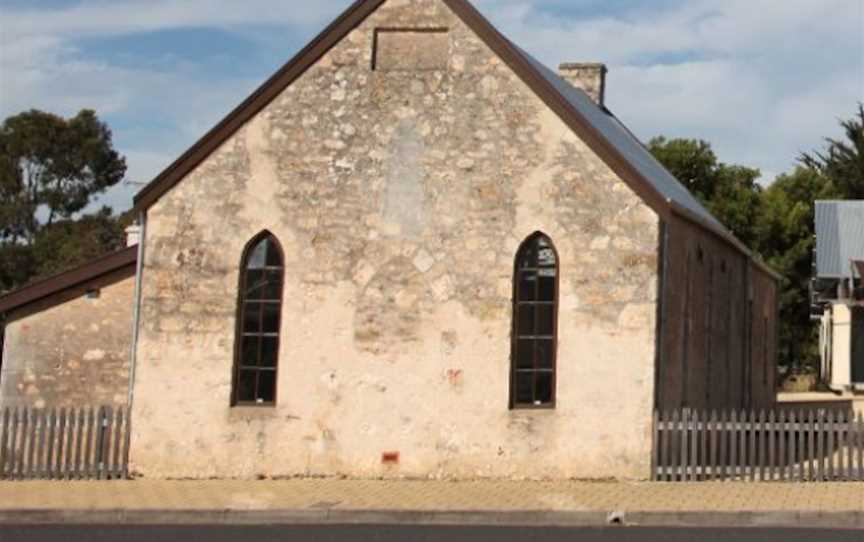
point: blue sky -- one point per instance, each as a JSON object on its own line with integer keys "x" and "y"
{"x": 762, "y": 80}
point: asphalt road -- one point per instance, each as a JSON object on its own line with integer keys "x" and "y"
{"x": 410, "y": 534}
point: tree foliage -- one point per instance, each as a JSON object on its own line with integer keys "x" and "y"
{"x": 843, "y": 161}
{"x": 730, "y": 192}
{"x": 69, "y": 243}
{"x": 787, "y": 240}
{"x": 53, "y": 166}
{"x": 51, "y": 169}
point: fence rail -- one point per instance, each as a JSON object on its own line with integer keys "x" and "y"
{"x": 64, "y": 444}
{"x": 781, "y": 445}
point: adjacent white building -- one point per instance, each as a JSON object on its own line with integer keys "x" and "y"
{"x": 838, "y": 293}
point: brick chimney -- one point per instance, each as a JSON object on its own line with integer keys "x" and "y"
{"x": 589, "y": 76}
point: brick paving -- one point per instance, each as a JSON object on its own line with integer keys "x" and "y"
{"x": 429, "y": 496}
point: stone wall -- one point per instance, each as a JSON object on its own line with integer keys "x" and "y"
{"x": 70, "y": 355}
{"x": 400, "y": 197}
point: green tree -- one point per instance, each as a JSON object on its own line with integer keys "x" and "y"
{"x": 843, "y": 161}
{"x": 70, "y": 243}
{"x": 730, "y": 192}
{"x": 786, "y": 240}
{"x": 52, "y": 167}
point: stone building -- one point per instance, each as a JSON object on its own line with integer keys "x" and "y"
{"x": 416, "y": 251}
{"x": 67, "y": 339}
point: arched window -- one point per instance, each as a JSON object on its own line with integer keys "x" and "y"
{"x": 535, "y": 324}
{"x": 256, "y": 357}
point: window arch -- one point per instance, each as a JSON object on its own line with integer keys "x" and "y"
{"x": 535, "y": 324}
{"x": 259, "y": 315}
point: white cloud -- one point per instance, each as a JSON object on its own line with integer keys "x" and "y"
{"x": 113, "y": 17}
{"x": 762, "y": 80}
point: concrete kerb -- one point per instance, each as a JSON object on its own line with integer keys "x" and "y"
{"x": 787, "y": 519}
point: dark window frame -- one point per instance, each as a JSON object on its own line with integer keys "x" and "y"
{"x": 241, "y": 333}
{"x": 525, "y": 250}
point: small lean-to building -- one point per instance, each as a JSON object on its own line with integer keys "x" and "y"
{"x": 839, "y": 293}
{"x": 417, "y": 251}
{"x": 66, "y": 340}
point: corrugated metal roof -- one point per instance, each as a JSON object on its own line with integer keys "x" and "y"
{"x": 839, "y": 237}
{"x": 625, "y": 142}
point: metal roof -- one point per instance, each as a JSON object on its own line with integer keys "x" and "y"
{"x": 839, "y": 237}
{"x": 625, "y": 142}
{"x": 79, "y": 277}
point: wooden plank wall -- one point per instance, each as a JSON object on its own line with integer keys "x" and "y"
{"x": 718, "y": 318}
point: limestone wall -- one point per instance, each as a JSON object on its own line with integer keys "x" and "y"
{"x": 70, "y": 355}
{"x": 400, "y": 195}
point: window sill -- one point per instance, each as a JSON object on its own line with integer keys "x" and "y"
{"x": 254, "y": 405}
{"x": 252, "y": 412}
{"x": 531, "y": 408}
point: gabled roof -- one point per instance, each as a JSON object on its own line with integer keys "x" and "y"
{"x": 595, "y": 125}
{"x": 839, "y": 237}
{"x": 623, "y": 141}
{"x": 95, "y": 274}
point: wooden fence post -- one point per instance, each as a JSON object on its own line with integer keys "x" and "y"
{"x": 782, "y": 431}
{"x": 860, "y": 441}
{"x": 830, "y": 449}
{"x": 70, "y": 444}
{"x": 4, "y": 435}
{"x": 12, "y": 472}
{"x": 694, "y": 446}
{"x": 842, "y": 472}
{"x": 715, "y": 432}
{"x": 127, "y": 439}
{"x": 87, "y": 441}
{"x": 655, "y": 443}
{"x": 118, "y": 425}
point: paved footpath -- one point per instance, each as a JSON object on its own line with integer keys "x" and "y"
{"x": 328, "y": 501}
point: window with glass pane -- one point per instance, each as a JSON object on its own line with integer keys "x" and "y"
{"x": 260, "y": 311}
{"x": 535, "y": 323}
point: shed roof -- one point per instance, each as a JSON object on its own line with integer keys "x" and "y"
{"x": 114, "y": 266}
{"x": 839, "y": 238}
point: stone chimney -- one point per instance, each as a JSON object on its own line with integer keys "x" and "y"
{"x": 589, "y": 76}
{"x": 133, "y": 235}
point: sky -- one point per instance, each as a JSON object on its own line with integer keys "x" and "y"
{"x": 761, "y": 80}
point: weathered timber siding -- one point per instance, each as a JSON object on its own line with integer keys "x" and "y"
{"x": 71, "y": 352}
{"x": 765, "y": 335}
{"x": 400, "y": 197}
{"x": 719, "y": 318}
